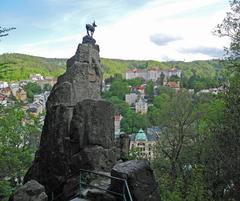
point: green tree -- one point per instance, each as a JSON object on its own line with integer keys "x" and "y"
{"x": 227, "y": 136}
{"x": 47, "y": 87}
{"x": 17, "y": 132}
{"x": 149, "y": 91}
{"x": 135, "y": 82}
{"x": 119, "y": 88}
{"x": 32, "y": 89}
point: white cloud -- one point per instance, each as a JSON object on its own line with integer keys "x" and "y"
{"x": 129, "y": 36}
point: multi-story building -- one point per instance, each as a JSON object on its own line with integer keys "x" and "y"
{"x": 143, "y": 144}
{"x": 141, "y": 106}
{"x": 131, "y": 98}
{"x": 152, "y": 74}
{"x": 3, "y": 84}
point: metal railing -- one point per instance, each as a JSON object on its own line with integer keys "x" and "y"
{"x": 82, "y": 185}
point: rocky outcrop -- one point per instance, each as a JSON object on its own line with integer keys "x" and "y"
{"x": 82, "y": 79}
{"x": 78, "y": 133}
{"x": 78, "y": 128}
{"x": 140, "y": 178}
{"x": 31, "y": 191}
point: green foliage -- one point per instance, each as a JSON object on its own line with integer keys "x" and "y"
{"x": 134, "y": 153}
{"x": 47, "y": 87}
{"x": 118, "y": 88}
{"x": 24, "y": 65}
{"x": 32, "y": 89}
{"x": 17, "y": 132}
{"x": 227, "y": 131}
{"x": 198, "y": 83}
{"x": 135, "y": 82}
{"x": 174, "y": 78}
{"x": 132, "y": 122}
{"x": 5, "y": 70}
{"x": 203, "y": 69}
{"x": 5, "y": 190}
{"x": 149, "y": 91}
{"x": 21, "y": 66}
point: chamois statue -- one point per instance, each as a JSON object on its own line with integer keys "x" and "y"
{"x": 91, "y": 28}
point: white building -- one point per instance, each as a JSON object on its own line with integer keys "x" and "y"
{"x": 36, "y": 77}
{"x": 3, "y": 85}
{"x": 144, "y": 144}
{"x": 152, "y": 74}
{"x": 131, "y": 98}
{"x": 14, "y": 88}
{"x": 41, "y": 98}
{"x": 141, "y": 106}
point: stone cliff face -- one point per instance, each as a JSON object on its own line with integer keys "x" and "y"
{"x": 82, "y": 79}
{"x": 78, "y": 128}
{"x": 78, "y": 133}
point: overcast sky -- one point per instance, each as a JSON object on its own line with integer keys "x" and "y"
{"x": 161, "y": 30}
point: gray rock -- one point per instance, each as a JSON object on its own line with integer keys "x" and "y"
{"x": 78, "y": 133}
{"x": 88, "y": 39}
{"x": 82, "y": 79}
{"x": 99, "y": 195}
{"x": 31, "y": 191}
{"x": 79, "y": 126}
{"x": 140, "y": 178}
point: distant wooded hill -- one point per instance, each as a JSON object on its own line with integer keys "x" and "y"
{"x": 20, "y": 66}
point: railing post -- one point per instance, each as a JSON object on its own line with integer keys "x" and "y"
{"x": 52, "y": 196}
{"x": 124, "y": 197}
{"x": 80, "y": 185}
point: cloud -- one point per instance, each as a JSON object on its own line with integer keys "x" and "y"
{"x": 209, "y": 51}
{"x": 163, "y": 39}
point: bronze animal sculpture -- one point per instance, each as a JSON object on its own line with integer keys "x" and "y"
{"x": 91, "y": 28}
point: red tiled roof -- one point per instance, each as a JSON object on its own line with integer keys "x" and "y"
{"x": 2, "y": 97}
{"x": 172, "y": 85}
{"x": 5, "y": 90}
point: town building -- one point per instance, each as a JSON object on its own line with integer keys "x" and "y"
{"x": 173, "y": 85}
{"x": 6, "y": 91}
{"x": 41, "y": 98}
{"x": 141, "y": 106}
{"x": 214, "y": 91}
{"x": 36, "y": 108}
{"x": 144, "y": 144}
{"x": 14, "y": 88}
{"x": 21, "y": 95}
{"x": 3, "y": 99}
{"x": 152, "y": 74}
{"x": 131, "y": 98}
{"x": 117, "y": 125}
{"x": 3, "y": 84}
{"x": 36, "y": 77}
{"x": 48, "y": 81}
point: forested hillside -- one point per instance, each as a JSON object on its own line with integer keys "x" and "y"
{"x": 19, "y": 66}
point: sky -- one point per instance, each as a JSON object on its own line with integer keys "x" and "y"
{"x": 162, "y": 30}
